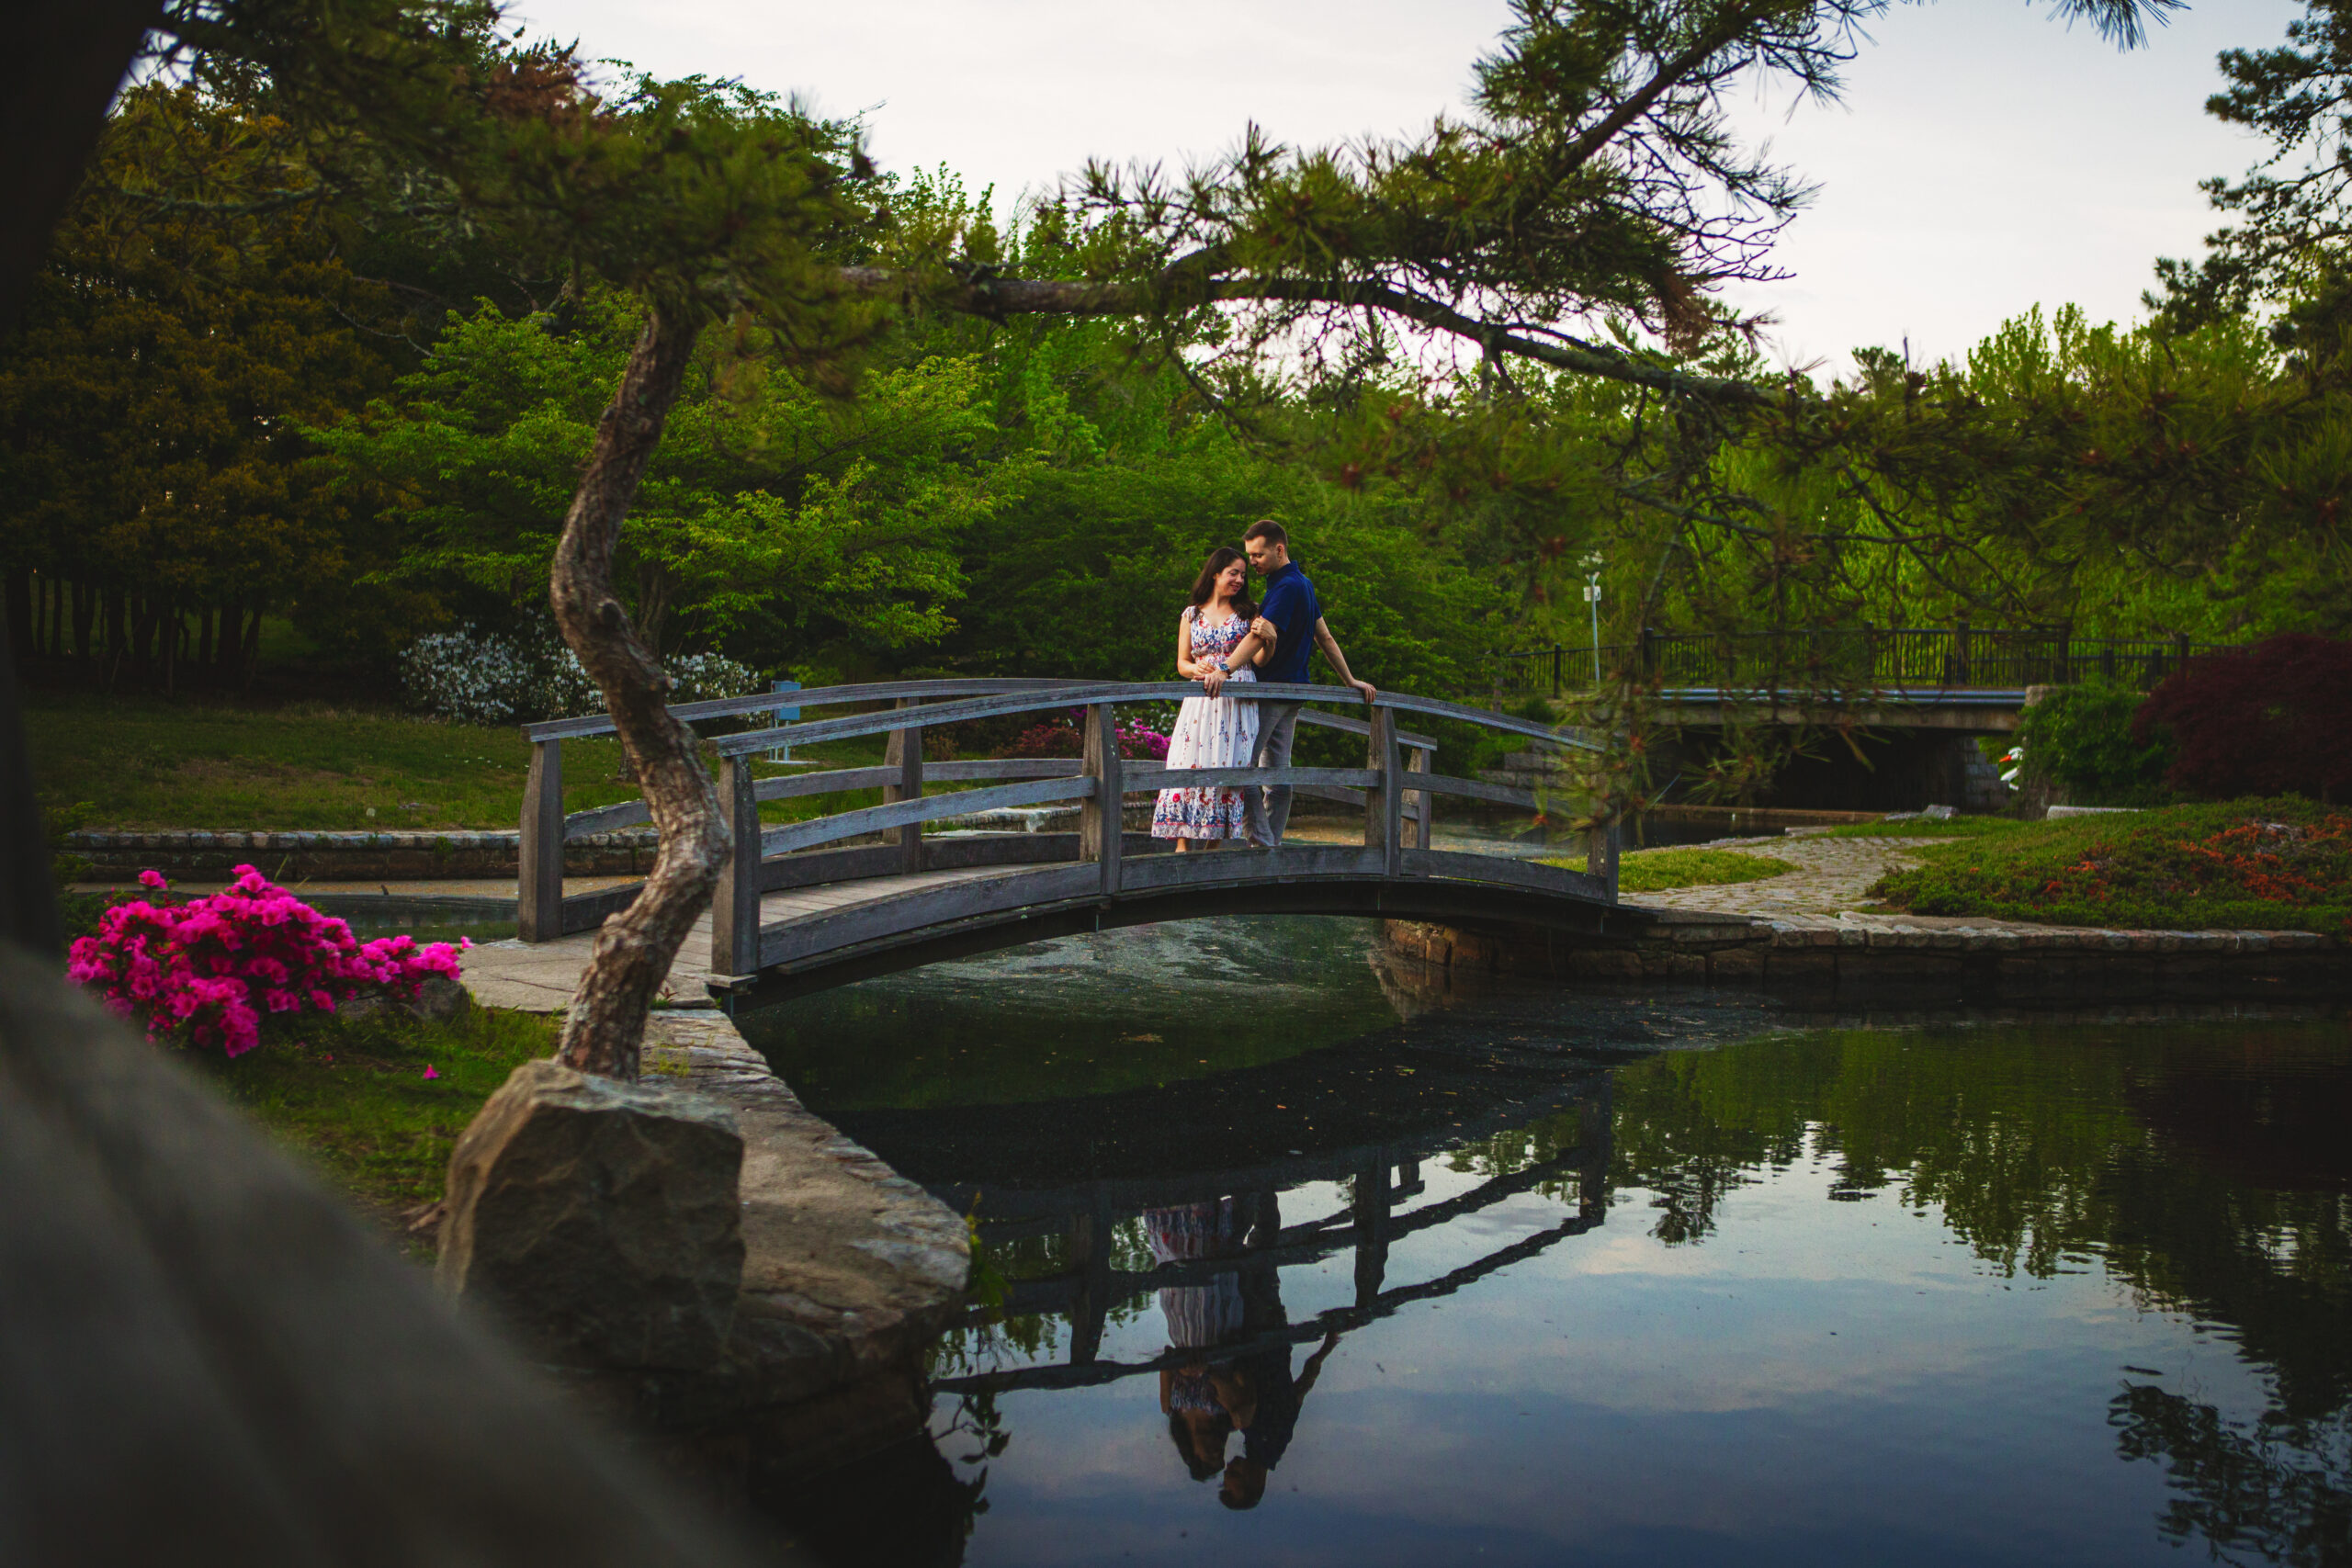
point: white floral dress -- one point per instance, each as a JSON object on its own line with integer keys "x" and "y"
{"x": 1211, "y": 732}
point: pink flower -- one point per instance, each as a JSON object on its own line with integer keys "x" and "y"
{"x": 429, "y": 1073}
{"x": 153, "y": 878}
{"x": 207, "y": 970}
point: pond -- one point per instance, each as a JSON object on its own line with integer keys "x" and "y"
{"x": 1310, "y": 1261}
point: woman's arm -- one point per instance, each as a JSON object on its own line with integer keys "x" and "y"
{"x": 1186, "y": 670}
{"x": 1255, "y": 647}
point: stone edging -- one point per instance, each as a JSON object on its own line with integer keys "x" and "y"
{"x": 393, "y": 854}
{"x": 850, "y": 1272}
{"x": 90, "y": 842}
{"x": 1963, "y": 937}
{"x": 1940, "y": 963}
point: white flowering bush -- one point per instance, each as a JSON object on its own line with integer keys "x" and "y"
{"x": 706, "y": 677}
{"x": 473, "y": 677}
{"x": 477, "y": 677}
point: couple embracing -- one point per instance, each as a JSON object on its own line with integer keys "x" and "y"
{"x": 1221, "y": 638}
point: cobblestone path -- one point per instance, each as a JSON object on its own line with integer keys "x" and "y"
{"x": 1832, "y": 878}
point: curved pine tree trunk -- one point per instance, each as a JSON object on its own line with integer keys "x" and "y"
{"x": 634, "y": 950}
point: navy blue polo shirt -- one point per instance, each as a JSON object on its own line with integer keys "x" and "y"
{"x": 1290, "y": 604}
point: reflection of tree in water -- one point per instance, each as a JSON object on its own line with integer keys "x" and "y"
{"x": 2208, "y": 1171}
{"x": 1037, "y": 1337}
{"x": 2272, "y": 1489}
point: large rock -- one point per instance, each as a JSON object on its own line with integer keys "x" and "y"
{"x": 599, "y": 1219}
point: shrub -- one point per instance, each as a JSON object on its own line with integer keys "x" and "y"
{"x": 473, "y": 678}
{"x": 478, "y": 677}
{"x": 2275, "y": 719}
{"x": 1063, "y": 738}
{"x": 2081, "y": 740}
{"x": 212, "y": 969}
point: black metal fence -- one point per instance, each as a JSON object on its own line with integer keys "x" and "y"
{"x": 1939, "y": 658}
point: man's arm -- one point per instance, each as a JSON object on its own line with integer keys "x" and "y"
{"x": 1331, "y": 647}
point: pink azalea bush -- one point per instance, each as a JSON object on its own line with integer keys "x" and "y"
{"x": 216, "y": 966}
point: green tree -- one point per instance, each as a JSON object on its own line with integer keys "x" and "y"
{"x": 770, "y": 515}
{"x": 151, "y": 460}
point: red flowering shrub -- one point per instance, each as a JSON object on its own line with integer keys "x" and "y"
{"x": 218, "y": 966}
{"x": 2272, "y": 719}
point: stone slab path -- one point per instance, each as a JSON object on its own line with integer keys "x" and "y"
{"x": 1832, "y": 879}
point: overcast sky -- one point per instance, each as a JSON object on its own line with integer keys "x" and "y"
{"x": 1984, "y": 158}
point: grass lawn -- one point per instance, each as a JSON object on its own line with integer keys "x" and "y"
{"x": 2236, "y": 865}
{"x": 351, "y": 1097}
{"x": 1654, "y": 871}
{"x": 141, "y": 763}
{"x": 1926, "y": 827}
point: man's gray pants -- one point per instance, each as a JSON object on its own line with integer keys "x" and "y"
{"x": 1266, "y": 812}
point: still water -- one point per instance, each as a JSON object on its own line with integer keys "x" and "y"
{"x": 1311, "y": 1263}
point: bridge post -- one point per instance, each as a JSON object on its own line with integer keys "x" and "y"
{"x": 904, "y": 752}
{"x": 1595, "y": 1144}
{"x": 1602, "y": 844}
{"x": 1370, "y": 1217}
{"x": 1102, "y": 821}
{"x": 1383, "y": 803}
{"x": 539, "y": 886}
{"x": 1424, "y": 803}
{"x": 735, "y": 906}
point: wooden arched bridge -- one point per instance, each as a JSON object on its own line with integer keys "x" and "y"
{"x": 809, "y": 904}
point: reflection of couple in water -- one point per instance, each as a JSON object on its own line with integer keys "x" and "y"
{"x": 1208, "y": 1396}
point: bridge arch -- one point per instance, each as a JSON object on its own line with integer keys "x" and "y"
{"x": 801, "y": 906}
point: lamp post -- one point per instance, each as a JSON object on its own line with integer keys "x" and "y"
{"x": 1592, "y": 597}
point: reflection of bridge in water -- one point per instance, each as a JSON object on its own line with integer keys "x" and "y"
{"x": 1382, "y": 1181}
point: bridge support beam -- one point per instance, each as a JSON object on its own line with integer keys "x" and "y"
{"x": 538, "y": 888}
{"x": 1101, "y": 820}
{"x": 1383, "y": 804}
{"x": 735, "y": 906}
{"x": 903, "y": 752}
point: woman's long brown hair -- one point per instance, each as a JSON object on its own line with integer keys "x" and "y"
{"x": 1205, "y": 585}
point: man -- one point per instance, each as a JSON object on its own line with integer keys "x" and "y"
{"x": 1290, "y": 604}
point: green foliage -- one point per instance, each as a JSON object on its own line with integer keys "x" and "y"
{"x": 771, "y": 520}
{"x": 2244, "y": 866}
{"x": 2079, "y": 738}
{"x": 150, "y": 403}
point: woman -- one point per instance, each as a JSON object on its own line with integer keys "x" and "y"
{"x": 1219, "y": 637}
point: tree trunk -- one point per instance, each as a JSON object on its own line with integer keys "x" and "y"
{"x": 20, "y": 612}
{"x": 249, "y": 655}
{"x": 145, "y": 617}
{"x": 86, "y": 613}
{"x": 634, "y": 950}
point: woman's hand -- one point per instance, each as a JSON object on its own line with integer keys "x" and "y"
{"x": 1212, "y": 679}
{"x": 1265, "y": 631}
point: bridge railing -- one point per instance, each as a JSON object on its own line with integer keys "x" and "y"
{"x": 1396, "y": 788}
{"x": 1895, "y": 660}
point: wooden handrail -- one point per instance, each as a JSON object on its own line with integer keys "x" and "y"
{"x": 793, "y": 835}
{"x": 1397, "y": 785}
{"x": 1139, "y": 779}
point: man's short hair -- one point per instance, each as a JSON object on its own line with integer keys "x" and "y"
{"x": 1266, "y": 528}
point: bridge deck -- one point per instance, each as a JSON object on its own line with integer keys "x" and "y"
{"x": 831, "y": 935}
